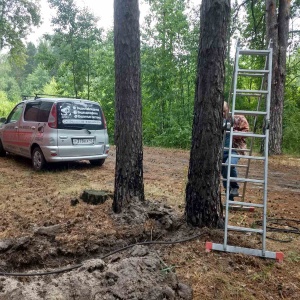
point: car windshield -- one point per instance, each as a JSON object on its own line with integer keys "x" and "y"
{"x": 79, "y": 115}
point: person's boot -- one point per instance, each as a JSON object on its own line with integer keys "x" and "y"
{"x": 234, "y": 192}
{"x": 230, "y": 196}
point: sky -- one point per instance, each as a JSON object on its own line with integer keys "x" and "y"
{"x": 100, "y": 8}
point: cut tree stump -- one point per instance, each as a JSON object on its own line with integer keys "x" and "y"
{"x": 94, "y": 197}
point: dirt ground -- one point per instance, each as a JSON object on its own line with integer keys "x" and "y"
{"x": 45, "y": 227}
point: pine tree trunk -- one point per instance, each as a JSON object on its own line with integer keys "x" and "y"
{"x": 283, "y": 34}
{"x": 128, "y": 128}
{"x": 203, "y": 202}
{"x": 277, "y": 30}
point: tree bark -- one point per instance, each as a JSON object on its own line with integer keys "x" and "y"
{"x": 128, "y": 127}
{"x": 203, "y": 199}
{"x": 277, "y": 27}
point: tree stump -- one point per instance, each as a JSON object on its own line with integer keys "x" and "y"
{"x": 94, "y": 197}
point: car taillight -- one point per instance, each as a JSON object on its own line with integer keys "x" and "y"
{"x": 52, "y": 121}
{"x": 104, "y": 121}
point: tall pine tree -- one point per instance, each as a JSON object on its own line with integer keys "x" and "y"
{"x": 129, "y": 184}
{"x": 203, "y": 200}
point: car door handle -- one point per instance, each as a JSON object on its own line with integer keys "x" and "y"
{"x": 32, "y": 127}
{"x": 63, "y": 137}
{"x": 16, "y": 127}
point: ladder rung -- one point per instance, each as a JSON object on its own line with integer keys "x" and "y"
{"x": 246, "y": 203}
{"x": 236, "y": 165}
{"x": 252, "y": 73}
{"x": 254, "y": 52}
{"x": 247, "y": 95}
{"x": 248, "y": 134}
{"x": 245, "y": 229}
{"x": 259, "y": 92}
{"x": 237, "y": 149}
{"x": 241, "y": 208}
{"x": 249, "y": 157}
{"x": 238, "y": 179}
{"x": 250, "y": 113}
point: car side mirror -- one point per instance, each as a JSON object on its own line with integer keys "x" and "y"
{"x": 2, "y": 120}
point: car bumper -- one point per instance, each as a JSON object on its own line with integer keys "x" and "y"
{"x": 53, "y": 154}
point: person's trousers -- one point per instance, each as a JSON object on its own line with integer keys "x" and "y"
{"x": 233, "y": 169}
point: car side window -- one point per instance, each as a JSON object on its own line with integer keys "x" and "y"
{"x": 31, "y": 112}
{"x": 16, "y": 113}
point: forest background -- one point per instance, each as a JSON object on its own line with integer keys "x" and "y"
{"x": 77, "y": 60}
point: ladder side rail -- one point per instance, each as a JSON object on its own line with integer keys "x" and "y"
{"x": 222, "y": 155}
{"x": 264, "y": 236}
{"x": 224, "y": 134}
{"x": 228, "y": 189}
{"x": 230, "y": 147}
{"x": 258, "y": 106}
{"x": 235, "y": 70}
{"x": 231, "y": 87}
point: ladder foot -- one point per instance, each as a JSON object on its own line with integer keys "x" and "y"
{"x": 279, "y": 257}
{"x": 208, "y": 246}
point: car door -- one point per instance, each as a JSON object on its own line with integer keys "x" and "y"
{"x": 28, "y": 127}
{"x": 10, "y": 130}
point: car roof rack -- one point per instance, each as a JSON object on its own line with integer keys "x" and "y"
{"x": 37, "y": 96}
{"x": 25, "y": 97}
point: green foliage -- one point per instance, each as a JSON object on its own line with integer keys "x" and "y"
{"x": 251, "y": 29}
{"x": 51, "y": 88}
{"x": 8, "y": 82}
{"x": 291, "y": 117}
{"x": 49, "y": 56}
{"x": 248, "y": 23}
{"x": 36, "y": 81}
{"x": 75, "y": 34}
{"x": 102, "y": 83}
{"x": 3, "y": 96}
{"x": 78, "y": 60}
{"x": 5, "y": 105}
{"x": 291, "y": 133}
{"x": 168, "y": 72}
{"x": 31, "y": 61}
{"x": 16, "y": 19}
{"x": 175, "y": 136}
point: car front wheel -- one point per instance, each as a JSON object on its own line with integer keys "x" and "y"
{"x": 38, "y": 159}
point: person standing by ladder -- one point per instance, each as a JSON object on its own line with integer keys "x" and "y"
{"x": 240, "y": 123}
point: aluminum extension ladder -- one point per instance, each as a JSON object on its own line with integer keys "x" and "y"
{"x": 262, "y": 98}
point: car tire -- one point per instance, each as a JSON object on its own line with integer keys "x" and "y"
{"x": 97, "y": 162}
{"x": 2, "y": 151}
{"x": 38, "y": 159}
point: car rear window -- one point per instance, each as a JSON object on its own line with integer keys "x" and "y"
{"x": 78, "y": 115}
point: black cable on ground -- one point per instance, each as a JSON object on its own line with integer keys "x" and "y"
{"x": 278, "y": 222}
{"x": 67, "y": 269}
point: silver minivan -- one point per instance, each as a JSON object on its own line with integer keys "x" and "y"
{"x": 55, "y": 130}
